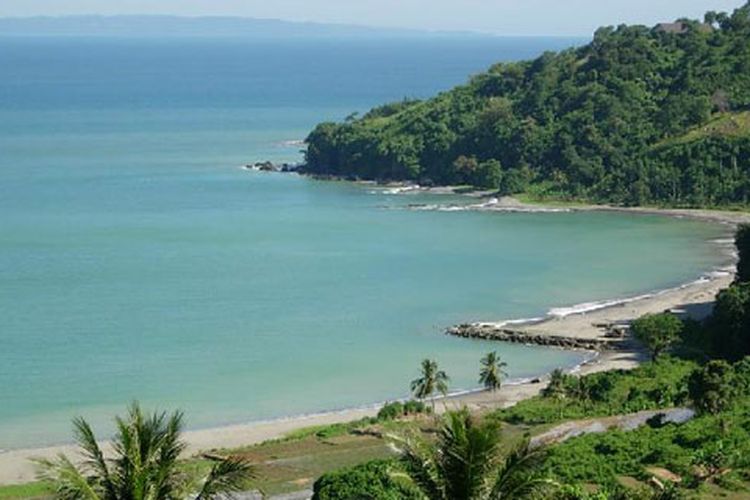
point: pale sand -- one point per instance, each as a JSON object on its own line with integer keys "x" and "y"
{"x": 694, "y": 300}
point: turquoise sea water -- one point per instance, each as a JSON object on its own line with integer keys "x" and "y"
{"x": 137, "y": 260}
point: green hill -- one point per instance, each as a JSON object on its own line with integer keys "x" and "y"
{"x": 638, "y": 116}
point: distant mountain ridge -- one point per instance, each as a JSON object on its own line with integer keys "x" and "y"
{"x": 165, "y": 25}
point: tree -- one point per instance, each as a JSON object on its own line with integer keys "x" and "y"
{"x": 742, "y": 242}
{"x": 432, "y": 382}
{"x": 711, "y": 387}
{"x": 489, "y": 175}
{"x": 144, "y": 466}
{"x": 466, "y": 462}
{"x": 730, "y": 322}
{"x": 492, "y": 372}
{"x": 658, "y": 331}
{"x": 557, "y": 387}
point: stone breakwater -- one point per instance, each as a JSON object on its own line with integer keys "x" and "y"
{"x": 494, "y": 332}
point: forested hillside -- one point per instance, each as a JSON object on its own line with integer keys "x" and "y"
{"x": 638, "y": 116}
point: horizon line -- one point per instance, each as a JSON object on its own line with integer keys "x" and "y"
{"x": 369, "y": 27}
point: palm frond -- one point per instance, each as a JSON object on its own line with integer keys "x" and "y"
{"x": 418, "y": 461}
{"x": 93, "y": 455}
{"x": 168, "y": 445}
{"x": 520, "y": 474}
{"x": 469, "y": 454}
{"x": 226, "y": 477}
{"x": 68, "y": 481}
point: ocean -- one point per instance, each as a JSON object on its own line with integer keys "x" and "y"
{"x": 138, "y": 260}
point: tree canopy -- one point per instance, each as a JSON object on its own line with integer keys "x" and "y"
{"x": 657, "y": 331}
{"x": 639, "y": 115}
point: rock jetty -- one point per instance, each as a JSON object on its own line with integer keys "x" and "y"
{"x": 486, "y": 331}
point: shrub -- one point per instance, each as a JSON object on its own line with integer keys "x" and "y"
{"x": 712, "y": 387}
{"x": 391, "y": 411}
{"x": 371, "y": 480}
{"x": 396, "y": 409}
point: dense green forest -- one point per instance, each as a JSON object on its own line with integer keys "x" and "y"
{"x": 638, "y": 116}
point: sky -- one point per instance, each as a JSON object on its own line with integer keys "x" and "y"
{"x": 504, "y": 17}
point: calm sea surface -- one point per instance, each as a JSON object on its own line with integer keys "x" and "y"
{"x": 137, "y": 260}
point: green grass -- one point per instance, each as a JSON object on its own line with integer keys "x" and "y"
{"x": 540, "y": 197}
{"x": 295, "y": 463}
{"x": 28, "y": 490}
{"x": 732, "y": 125}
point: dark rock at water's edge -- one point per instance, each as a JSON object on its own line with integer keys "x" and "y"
{"x": 269, "y": 166}
{"x": 493, "y": 332}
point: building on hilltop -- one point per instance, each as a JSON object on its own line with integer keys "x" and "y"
{"x": 681, "y": 27}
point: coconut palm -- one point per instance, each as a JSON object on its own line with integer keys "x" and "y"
{"x": 557, "y": 388}
{"x": 492, "y": 372}
{"x": 466, "y": 463}
{"x": 144, "y": 466}
{"x": 432, "y": 381}
{"x": 557, "y": 385}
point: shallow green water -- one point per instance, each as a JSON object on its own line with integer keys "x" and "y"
{"x": 238, "y": 296}
{"x": 138, "y": 261}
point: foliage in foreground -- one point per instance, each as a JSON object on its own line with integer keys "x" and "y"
{"x": 147, "y": 449}
{"x": 466, "y": 462}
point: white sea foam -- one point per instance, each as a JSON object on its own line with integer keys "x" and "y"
{"x": 509, "y": 322}
{"x": 292, "y": 143}
{"x": 401, "y": 189}
{"x": 587, "y": 307}
{"x": 491, "y": 205}
{"x": 396, "y": 190}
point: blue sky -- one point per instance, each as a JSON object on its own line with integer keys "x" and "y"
{"x": 509, "y": 17}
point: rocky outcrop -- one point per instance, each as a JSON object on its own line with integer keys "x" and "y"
{"x": 494, "y": 332}
{"x": 269, "y": 166}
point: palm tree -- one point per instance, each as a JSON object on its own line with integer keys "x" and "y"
{"x": 492, "y": 372}
{"x": 431, "y": 382}
{"x": 144, "y": 464}
{"x": 466, "y": 463}
{"x": 557, "y": 388}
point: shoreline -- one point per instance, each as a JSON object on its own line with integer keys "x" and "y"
{"x": 496, "y": 203}
{"x": 693, "y": 299}
{"x": 16, "y": 466}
